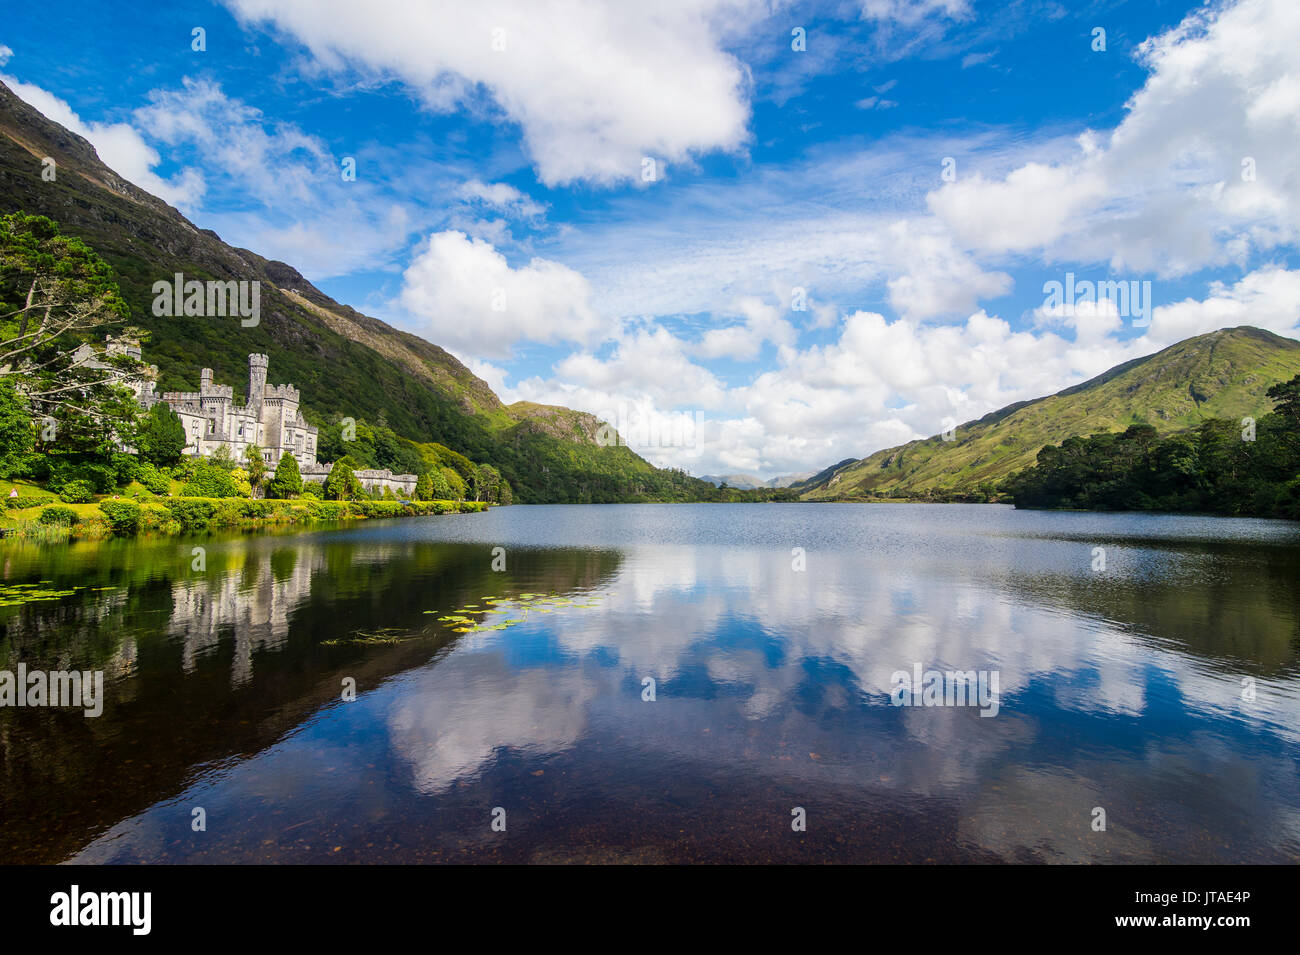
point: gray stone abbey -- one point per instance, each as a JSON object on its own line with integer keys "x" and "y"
{"x": 270, "y": 419}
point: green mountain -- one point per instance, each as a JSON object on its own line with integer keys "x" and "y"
{"x": 1222, "y": 374}
{"x": 346, "y": 364}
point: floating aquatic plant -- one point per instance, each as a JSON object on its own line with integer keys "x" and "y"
{"x": 526, "y": 603}
{"x": 15, "y": 595}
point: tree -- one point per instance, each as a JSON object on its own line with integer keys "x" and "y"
{"x": 1287, "y": 400}
{"x": 487, "y": 485}
{"x": 55, "y": 293}
{"x": 287, "y": 482}
{"x": 15, "y": 430}
{"x": 161, "y": 438}
{"x": 243, "y": 487}
{"x": 439, "y": 488}
{"x": 455, "y": 484}
{"x": 206, "y": 479}
{"x": 423, "y": 488}
{"x": 222, "y": 458}
{"x": 256, "y": 467}
{"x": 342, "y": 484}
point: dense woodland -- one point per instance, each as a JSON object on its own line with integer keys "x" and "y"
{"x": 1220, "y": 467}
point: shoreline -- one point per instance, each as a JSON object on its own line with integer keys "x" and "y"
{"x": 57, "y": 522}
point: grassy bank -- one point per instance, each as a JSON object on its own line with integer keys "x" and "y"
{"x": 37, "y": 515}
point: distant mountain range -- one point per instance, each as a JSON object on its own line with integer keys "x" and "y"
{"x": 747, "y": 482}
{"x": 1223, "y": 374}
{"x": 346, "y": 364}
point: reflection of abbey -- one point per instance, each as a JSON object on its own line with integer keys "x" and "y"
{"x": 271, "y": 420}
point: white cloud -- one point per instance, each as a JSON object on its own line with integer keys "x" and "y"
{"x": 881, "y": 383}
{"x": 277, "y": 189}
{"x": 468, "y": 298}
{"x": 593, "y": 87}
{"x": 809, "y": 224}
{"x": 1090, "y": 321}
{"x": 912, "y": 12}
{"x": 120, "y": 145}
{"x": 904, "y": 27}
{"x": 763, "y": 323}
{"x": 875, "y": 102}
{"x": 1165, "y": 191}
{"x": 1032, "y": 207}
{"x": 260, "y": 183}
{"x": 1266, "y": 298}
{"x": 271, "y": 161}
{"x": 500, "y": 195}
{"x": 934, "y": 277}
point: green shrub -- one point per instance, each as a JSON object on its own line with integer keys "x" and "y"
{"x": 210, "y": 480}
{"x": 259, "y": 509}
{"x": 342, "y": 483}
{"x": 287, "y": 482}
{"x": 77, "y": 492}
{"x": 65, "y": 469}
{"x": 21, "y": 502}
{"x": 122, "y": 517}
{"x": 153, "y": 479}
{"x": 191, "y": 514}
{"x": 153, "y": 518}
{"x": 227, "y": 512}
{"x": 63, "y": 516}
{"x": 381, "y": 508}
{"x": 126, "y": 468}
{"x": 326, "y": 510}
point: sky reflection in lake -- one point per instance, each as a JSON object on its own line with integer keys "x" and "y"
{"x": 1120, "y": 690}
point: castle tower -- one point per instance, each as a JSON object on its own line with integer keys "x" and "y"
{"x": 205, "y": 380}
{"x": 256, "y": 383}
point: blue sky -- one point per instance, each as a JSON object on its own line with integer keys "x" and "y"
{"x": 840, "y": 247}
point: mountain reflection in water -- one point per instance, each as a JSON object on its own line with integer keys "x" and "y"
{"x": 1120, "y": 690}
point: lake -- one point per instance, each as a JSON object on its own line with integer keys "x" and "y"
{"x": 666, "y": 683}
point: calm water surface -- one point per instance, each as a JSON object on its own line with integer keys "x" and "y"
{"x": 1120, "y": 689}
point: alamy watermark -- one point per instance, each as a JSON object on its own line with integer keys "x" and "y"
{"x": 132, "y": 910}
{"x": 946, "y": 688}
{"x": 649, "y": 430}
{"x": 211, "y": 299}
{"x": 71, "y": 688}
{"x": 1131, "y": 298}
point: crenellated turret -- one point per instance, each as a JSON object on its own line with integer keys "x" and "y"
{"x": 270, "y": 420}
{"x": 257, "y": 382}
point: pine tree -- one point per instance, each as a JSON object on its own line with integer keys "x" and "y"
{"x": 161, "y": 439}
{"x": 342, "y": 483}
{"x": 287, "y": 482}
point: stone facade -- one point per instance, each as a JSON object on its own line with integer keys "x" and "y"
{"x": 271, "y": 419}
{"x": 211, "y": 419}
{"x": 401, "y": 484}
{"x": 86, "y": 356}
